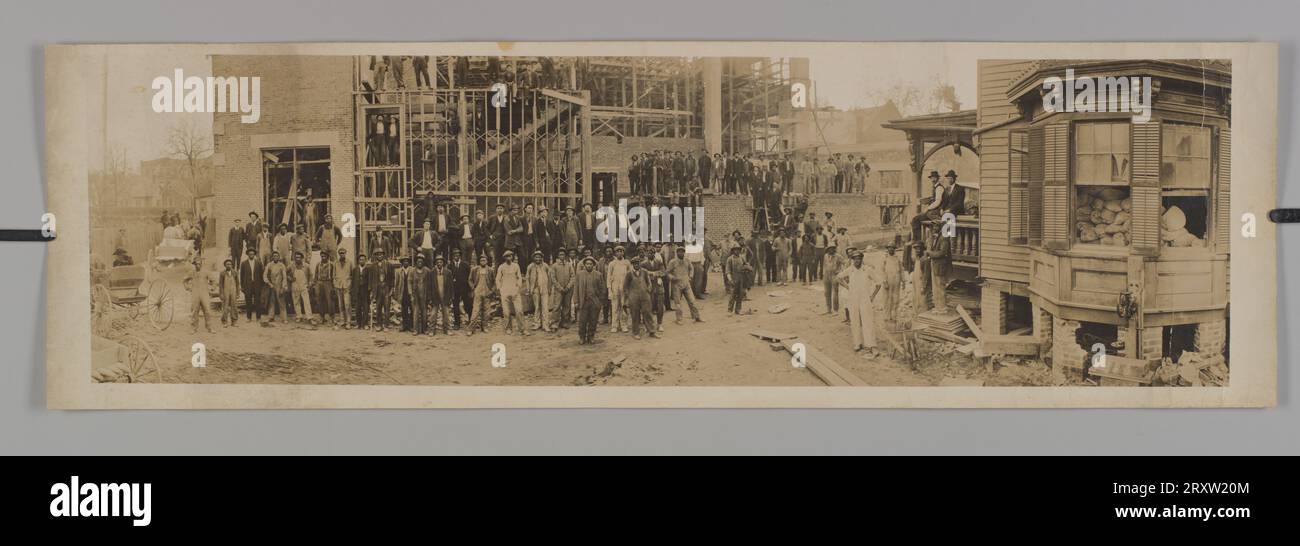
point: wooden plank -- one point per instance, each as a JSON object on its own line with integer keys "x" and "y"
{"x": 826, "y": 368}
{"x": 771, "y": 336}
{"x": 1011, "y": 345}
{"x": 970, "y": 323}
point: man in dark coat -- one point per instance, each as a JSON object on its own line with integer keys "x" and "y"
{"x": 250, "y": 281}
{"x": 461, "y": 294}
{"x": 236, "y": 242}
{"x": 704, "y": 168}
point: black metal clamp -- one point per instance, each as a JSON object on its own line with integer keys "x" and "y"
{"x": 26, "y": 235}
{"x": 1284, "y": 216}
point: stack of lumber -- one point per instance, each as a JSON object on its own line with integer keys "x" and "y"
{"x": 942, "y": 327}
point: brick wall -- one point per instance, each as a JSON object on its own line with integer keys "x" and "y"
{"x": 993, "y": 311}
{"x": 609, "y": 155}
{"x": 306, "y": 101}
{"x": 1153, "y": 342}
{"x": 1042, "y": 325}
{"x": 1066, "y": 352}
{"x": 726, "y": 213}
{"x": 1210, "y": 336}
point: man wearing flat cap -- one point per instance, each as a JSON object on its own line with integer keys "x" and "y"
{"x": 638, "y": 285}
{"x": 589, "y": 291}
{"x": 861, "y": 281}
{"x": 615, "y": 275}
{"x": 541, "y": 281}
{"x": 509, "y": 283}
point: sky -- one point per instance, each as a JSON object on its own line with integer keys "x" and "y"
{"x": 132, "y": 123}
{"x": 842, "y": 81}
{"x": 858, "y": 81}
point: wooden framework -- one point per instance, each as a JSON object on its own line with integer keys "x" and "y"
{"x": 466, "y": 146}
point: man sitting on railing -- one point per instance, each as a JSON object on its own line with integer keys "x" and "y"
{"x": 948, "y": 197}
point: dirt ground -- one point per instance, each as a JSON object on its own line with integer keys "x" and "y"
{"x": 719, "y": 352}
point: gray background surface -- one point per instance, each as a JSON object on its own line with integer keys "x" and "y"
{"x": 26, "y": 427}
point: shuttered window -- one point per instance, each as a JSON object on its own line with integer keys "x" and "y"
{"x": 1037, "y": 152}
{"x": 1056, "y": 180}
{"x": 1018, "y": 171}
{"x": 1223, "y": 194}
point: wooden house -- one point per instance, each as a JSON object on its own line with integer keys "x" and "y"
{"x": 1099, "y": 221}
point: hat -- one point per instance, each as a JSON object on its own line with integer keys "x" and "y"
{"x": 934, "y": 174}
{"x": 455, "y": 251}
{"x": 951, "y": 173}
{"x": 439, "y": 259}
{"x": 589, "y": 259}
{"x": 619, "y": 248}
{"x": 537, "y": 253}
{"x": 510, "y": 253}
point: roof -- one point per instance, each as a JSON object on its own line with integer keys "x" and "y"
{"x": 960, "y": 121}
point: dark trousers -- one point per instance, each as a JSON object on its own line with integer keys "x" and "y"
{"x": 587, "y": 313}
{"x": 639, "y": 306}
{"x": 737, "y": 301}
{"x": 407, "y": 310}
{"x": 252, "y": 303}
{"x": 421, "y": 315}
{"x": 381, "y": 307}
{"x": 362, "y": 299}
{"x": 466, "y": 299}
{"x": 421, "y": 74}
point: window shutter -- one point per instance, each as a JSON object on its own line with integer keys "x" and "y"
{"x": 1223, "y": 195}
{"x": 1034, "y": 189}
{"x": 1056, "y": 181}
{"x": 1018, "y": 187}
{"x": 1144, "y": 229}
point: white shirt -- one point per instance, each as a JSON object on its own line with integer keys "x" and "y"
{"x": 427, "y": 242}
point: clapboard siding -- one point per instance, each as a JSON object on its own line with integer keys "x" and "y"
{"x": 999, "y": 259}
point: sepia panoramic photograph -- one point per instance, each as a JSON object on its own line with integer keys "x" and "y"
{"x": 660, "y": 221}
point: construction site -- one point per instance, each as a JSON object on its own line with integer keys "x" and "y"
{"x": 349, "y": 135}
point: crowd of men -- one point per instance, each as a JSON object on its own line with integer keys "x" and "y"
{"x": 664, "y": 172}
{"x": 455, "y": 274}
{"x": 542, "y": 272}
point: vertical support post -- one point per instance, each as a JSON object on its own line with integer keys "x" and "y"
{"x": 635, "y": 92}
{"x": 713, "y": 104}
{"x": 462, "y": 145}
{"x": 587, "y": 179}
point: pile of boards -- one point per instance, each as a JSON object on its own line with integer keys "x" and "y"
{"x": 946, "y": 327}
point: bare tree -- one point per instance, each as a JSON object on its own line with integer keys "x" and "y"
{"x": 912, "y": 101}
{"x": 185, "y": 141}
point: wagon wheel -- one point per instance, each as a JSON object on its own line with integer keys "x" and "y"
{"x": 160, "y": 305}
{"x": 100, "y": 304}
{"x": 141, "y": 364}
